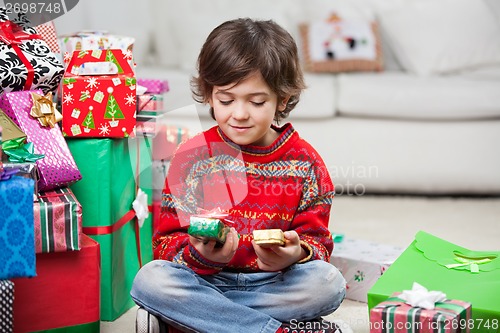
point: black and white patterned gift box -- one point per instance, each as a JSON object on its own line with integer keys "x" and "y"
{"x": 6, "y": 306}
{"x": 26, "y": 61}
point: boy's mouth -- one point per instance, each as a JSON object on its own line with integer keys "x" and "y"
{"x": 240, "y": 128}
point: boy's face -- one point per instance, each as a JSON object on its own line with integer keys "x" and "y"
{"x": 245, "y": 111}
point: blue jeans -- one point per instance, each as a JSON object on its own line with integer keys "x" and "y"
{"x": 238, "y": 302}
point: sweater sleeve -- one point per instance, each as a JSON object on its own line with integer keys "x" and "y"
{"x": 313, "y": 214}
{"x": 170, "y": 238}
{"x": 171, "y": 241}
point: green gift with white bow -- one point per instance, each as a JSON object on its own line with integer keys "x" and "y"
{"x": 460, "y": 273}
{"x": 116, "y": 173}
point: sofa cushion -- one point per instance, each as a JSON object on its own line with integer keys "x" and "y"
{"x": 442, "y": 36}
{"x": 484, "y": 73}
{"x": 399, "y": 95}
{"x": 413, "y": 157}
{"x": 319, "y": 99}
{"x": 339, "y": 45}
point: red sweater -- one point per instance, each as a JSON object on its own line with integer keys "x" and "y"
{"x": 285, "y": 185}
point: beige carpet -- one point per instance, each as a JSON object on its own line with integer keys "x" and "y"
{"x": 469, "y": 222}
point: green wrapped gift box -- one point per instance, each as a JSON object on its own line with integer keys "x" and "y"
{"x": 462, "y": 274}
{"x": 207, "y": 229}
{"x": 110, "y": 168}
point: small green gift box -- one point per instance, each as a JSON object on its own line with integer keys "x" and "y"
{"x": 206, "y": 229}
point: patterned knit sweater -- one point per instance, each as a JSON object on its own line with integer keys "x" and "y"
{"x": 285, "y": 185}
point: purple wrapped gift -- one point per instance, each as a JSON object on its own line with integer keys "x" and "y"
{"x": 58, "y": 168}
{"x": 154, "y": 86}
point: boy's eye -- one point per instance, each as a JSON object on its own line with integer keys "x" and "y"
{"x": 225, "y": 102}
{"x": 258, "y": 103}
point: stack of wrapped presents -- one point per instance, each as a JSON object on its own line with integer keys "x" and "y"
{"x": 77, "y": 134}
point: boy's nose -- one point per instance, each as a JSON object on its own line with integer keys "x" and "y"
{"x": 240, "y": 111}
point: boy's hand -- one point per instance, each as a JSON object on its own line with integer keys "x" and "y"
{"x": 276, "y": 258}
{"x": 222, "y": 254}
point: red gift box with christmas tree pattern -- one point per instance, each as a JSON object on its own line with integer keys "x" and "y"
{"x": 99, "y": 95}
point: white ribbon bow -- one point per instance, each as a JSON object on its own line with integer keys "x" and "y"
{"x": 419, "y": 296}
{"x": 140, "y": 206}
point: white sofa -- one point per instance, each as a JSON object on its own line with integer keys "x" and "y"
{"x": 429, "y": 123}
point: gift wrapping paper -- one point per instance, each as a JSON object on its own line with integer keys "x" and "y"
{"x": 27, "y": 61}
{"x": 58, "y": 168}
{"x": 10, "y": 130}
{"x": 160, "y": 168}
{"x": 48, "y": 32}
{"x": 17, "y": 243}
{"x": 116, "y": 167}
{"x": 268, "y": 237}
{"x": 145, "y": 125}
{"x": 26, "y": 170}
{"x": 95, "y": 40}
{"x": 150, "y": 105}
{"x": 65, "y": 293}
{"x": 58, "y": 221}
{"x": 166, "y": 140}
{"x": 6, "y": 306}
{"x": 208, "y": 228}
{"x": 425, "y": 261}
{"x": 99, "y": 105}
{"x": 362, "y": 262}
{"x": 395, "y": 316}
{"x": 154, "y": 86}
{"x": 150, "y": 102}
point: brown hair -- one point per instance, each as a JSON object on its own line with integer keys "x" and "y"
{"x": 238, "y": 48}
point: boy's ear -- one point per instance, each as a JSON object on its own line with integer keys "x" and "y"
{"x": 282, "y": 103}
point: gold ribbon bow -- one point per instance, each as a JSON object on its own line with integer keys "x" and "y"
{"x": 44, "y": 110}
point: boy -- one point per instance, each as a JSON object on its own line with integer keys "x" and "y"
{"x": 265, "y": 177}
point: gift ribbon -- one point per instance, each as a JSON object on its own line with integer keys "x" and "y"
{"x": 55, "y": 194}
{"x": 12, "y": 34}
{"x": 472, "y": 263}
{"x": 44, "y": 110}
{"x": 215, "y": 213}
{"x": 20, "y": 152}
{"x": 127, "y": 217}
{"x": 13, "y": 143}
{"x": 7, "y": 174}
{"x": 109, "y": 229}
{"x": 442, "y": 310}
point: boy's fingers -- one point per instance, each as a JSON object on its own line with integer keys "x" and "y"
{"x": 236, "y": 239}
{"x": 291, "y": 235}
{"x": 231, "y": 244}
